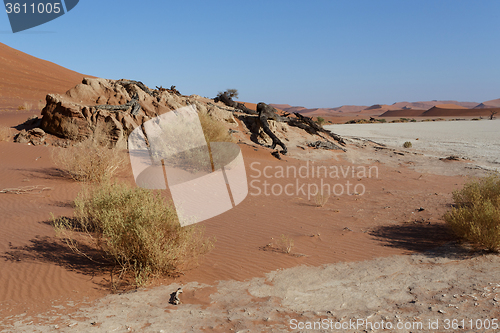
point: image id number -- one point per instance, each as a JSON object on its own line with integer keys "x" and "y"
{"x": 41, "y": 8}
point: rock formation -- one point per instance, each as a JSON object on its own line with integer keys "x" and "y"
{"x": 115, "y": 106}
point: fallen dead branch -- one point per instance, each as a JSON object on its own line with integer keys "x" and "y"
{"x": 26, "y": 189}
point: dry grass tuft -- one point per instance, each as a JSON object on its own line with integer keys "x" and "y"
{"x": 214, "y": 130}
{"x": 91, "y": 160}
{"x": 136, "y": 229}
{"x": 476, "y": 215}
{"x": 320, "y": 199}
{"x": 5, "y": 133}
{"x": 285, "y": 244}
{"x": 407, "y": 144}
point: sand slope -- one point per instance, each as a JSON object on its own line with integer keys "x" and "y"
{"x": 25, "y": 78}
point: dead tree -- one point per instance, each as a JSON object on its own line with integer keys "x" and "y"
{"x": 307, "y": 124}
{"x": 268, "y": 112}
{"x": 228, "y": 101}
{"x": 133, "y": 104}
{"x": 492, "y": 114}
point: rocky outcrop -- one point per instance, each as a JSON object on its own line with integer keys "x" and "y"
{"x": 115, "y": 107}
{"x": 109, "y": 110}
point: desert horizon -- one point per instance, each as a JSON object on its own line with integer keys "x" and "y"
{"x": 255, "y": 216}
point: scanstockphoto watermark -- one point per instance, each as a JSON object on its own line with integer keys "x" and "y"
{"x": 309, "y": 179}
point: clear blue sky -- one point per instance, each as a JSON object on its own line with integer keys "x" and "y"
{"x": 308, "y": 53}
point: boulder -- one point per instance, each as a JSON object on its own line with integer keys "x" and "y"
{"x": 35, "y": 136}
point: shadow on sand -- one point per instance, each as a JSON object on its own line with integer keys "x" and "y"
{"x": 433, "y": 240}
{"x": 53, "y": 250}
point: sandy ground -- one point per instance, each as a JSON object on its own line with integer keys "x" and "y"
{"x": 428, "y": 292}
{"x": 378, "y": 251}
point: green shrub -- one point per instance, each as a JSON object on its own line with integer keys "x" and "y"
{"x": 476, "y": 215}
{"x": 320, "y": 121}
{"x": 407, "y": 144}
{"x": 136, "y": 229}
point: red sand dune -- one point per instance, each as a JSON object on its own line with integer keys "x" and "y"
{"x": 25, "y": 78}
{"x": 448, "y": 112}
{"x": 449, "y": 106}
{"x": 425, "y": 105}
{"x": 402, "y": 113}
{"x": 438, "y": 111}
{"x": 494, "y": 103}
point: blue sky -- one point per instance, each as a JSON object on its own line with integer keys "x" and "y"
{"x": 313, "y": 54}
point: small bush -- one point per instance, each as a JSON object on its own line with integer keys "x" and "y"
{"x": 5, "y": 133}
{"x": 90, "y": 160}
{"x": 407, "y": 144}
{"x": 476, "y": 215}
{"x": 320, "y": 121}
{"x": 136, "y": 228}
{"x": 232, "y": 93}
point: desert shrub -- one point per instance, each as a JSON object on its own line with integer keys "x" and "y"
{"x": 320, "y": 121}
{"x": 232, "y": 93}
{"x": 5, "y": 133}
{"x": 407, "y": 144}
{"x": 90, "y": 160}
{"x": 136, "y": 229}
{"x": 476, "y": 215}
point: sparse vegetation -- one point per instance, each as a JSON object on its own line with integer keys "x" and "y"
{"x": 366, "y": 121}
{"x": 403, "y": 120}
{"x": 320, "y": 199}
{"x": 320, "y": 121}
{"x": 285, "y": 244}
{"x": 90, "y": 160}
{"x": 407, "y": 144}
{"x": 5, "y": 133}
{"x": 492, "y": 114}
{"x": 476, "y": 215}
{"x": 231, "y": 93}
{"x": 214, "y": 130}
{"x": 136, "y": 229}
